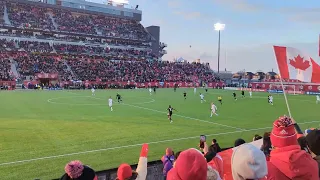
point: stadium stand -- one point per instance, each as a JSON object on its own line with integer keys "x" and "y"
{"x": 87, "y": 46}
{"x": 5, "y": 66}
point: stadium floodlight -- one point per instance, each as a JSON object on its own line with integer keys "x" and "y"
{"x": 219, "y": 27}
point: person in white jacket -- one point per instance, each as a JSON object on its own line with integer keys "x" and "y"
{"x": 125, "y": 171}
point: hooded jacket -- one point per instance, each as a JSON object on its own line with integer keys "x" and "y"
{"x": 291, "y": 162}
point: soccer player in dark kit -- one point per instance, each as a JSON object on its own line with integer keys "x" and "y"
{"x": 170, "y": 111}
{"x": 234, "y": 96}
{"x": 119, "y": 98}
{"x": 185, "y": 95}
{"x": 242, "y": 93}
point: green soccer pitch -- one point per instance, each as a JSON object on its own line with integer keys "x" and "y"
{"x": 41, "y": 131}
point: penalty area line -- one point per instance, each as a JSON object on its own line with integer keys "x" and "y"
{"x": 133, "y": 145}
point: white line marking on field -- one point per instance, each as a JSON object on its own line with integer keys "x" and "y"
{"x": 134, "y": 145}
{"x": 184, "y": 117}
{"x": 88, "y": 104}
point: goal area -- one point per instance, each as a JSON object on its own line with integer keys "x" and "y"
{"x": 289, "y": 88}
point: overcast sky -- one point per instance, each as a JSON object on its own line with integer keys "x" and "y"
{"x": 252, "y": 27}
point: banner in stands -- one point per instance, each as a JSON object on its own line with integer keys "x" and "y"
{"x": 7, "y": 85}
{"x": 312, "y": 93}
{"x": 47, "y": 75}
{"x": 152, "y": 84}
{"x": 252, "y": 89}
{"x": 299, "y": 88}
{"x": 245, "y": 89}
{"x": 231, "y": 88}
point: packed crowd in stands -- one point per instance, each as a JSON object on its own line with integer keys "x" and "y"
{"x": 2, "y": 12}
{"x": 278, "y": 155}
{"x": 5, "y": 69}
{"x": 35, "y": 46}
{"x": 33, "y": 64}
{"x": 139, "y": 71}
{"x": 27, "y": 16}
{"x": 88, "y": 68}
{"x": 7, "y": 44}
{"x": 73, "y": 23}
{"x": 122, "y": 28}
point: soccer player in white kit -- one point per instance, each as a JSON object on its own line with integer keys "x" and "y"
{"x": 150, "y": 91}
{"x": 270, "y": 99}
{"x": 250, "y": 93}
{"x": 202, "y": 98}
{"x": 110, "y": 103}
{"x": 213, "y": 109}
{"x": 195, "y": 90}
{"x": 318, "y": 99}
{"x": 93, "y": 91}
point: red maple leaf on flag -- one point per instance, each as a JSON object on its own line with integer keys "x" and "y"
{"x": 299, "y": 63}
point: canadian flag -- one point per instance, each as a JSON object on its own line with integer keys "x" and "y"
{"x": 294, "y": 64}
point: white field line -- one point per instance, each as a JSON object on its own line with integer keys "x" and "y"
{"x": 154, "y": 110}
{"x": 51, "y": 100}
{"x": 134, "y": 145}
{"x": 148, "y": 109}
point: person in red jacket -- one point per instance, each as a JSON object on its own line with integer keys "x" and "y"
{"x": 287, "y": 160}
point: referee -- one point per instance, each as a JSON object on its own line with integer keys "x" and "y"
{"x": 220, "y": 99}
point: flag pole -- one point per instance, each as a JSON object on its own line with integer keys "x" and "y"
{"x": 285, "y": 95}
{"x": 283, "y": 89}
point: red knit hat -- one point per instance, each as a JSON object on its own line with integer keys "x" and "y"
{"x": 124, "y": 171}
{"x": 283, "y": 133}
{"x": 191, "y": 165}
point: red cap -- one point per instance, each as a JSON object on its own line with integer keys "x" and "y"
{"x": 191, "y": 165}
{"x": 283, "y": 133}
{"x": 124, "y": 171}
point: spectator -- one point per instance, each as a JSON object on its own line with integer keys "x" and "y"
{"x": 191, "y": 165}
{"x": 313, "y": 140}
{"x": 238, "y": 142}
{"x": 248, "y": 162}
{"x": 214, "y": 160}
{"x": 266, "y": 145}
{"x": 216, "y": 146}
{"x": 302, "y": 141}
{"x": 125, "y": 171}
{"x": 75, "y": 170}
{"x": 256, "y": 137}
{"x": 287, "y": 160}
{"x": 176, "y": 155}
{"x": 167, "y": 161}
{"x": 307, "y": 131}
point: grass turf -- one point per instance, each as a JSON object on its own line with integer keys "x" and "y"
{"x": 36, "y": 127}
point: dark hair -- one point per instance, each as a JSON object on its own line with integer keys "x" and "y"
{"x": 303, "y": 143}
{"x": 238, "y": 142}
{"x": 214, "y": 140}
{"x": 256, "y": 137}
{"x": 266, "y": 145}
{"x": 176, "y": 155}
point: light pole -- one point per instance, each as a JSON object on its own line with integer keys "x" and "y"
{"x": 219, "y": 27}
